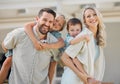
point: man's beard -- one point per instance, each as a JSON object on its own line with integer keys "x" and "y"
{"x": 42, "y": 31}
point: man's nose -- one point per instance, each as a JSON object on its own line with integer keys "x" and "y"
{"x": 47, "y": 24}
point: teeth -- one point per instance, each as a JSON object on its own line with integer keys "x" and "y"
{"x": 93, "y": 22}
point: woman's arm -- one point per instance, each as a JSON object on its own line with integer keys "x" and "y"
{"x": 29, "y": 30}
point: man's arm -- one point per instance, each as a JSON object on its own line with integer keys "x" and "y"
{"x": 52, "y": 69}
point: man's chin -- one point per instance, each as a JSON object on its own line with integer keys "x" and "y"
{"x": 44, "y": 33}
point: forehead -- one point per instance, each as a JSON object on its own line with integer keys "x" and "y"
{"x": 60, "y": 19}
{"x": 88, "y": 11}
{"x": 47, "y": 16}
{"x": 76, "y": 26}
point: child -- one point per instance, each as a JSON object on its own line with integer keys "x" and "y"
{"x": 58, "y": 26}
{"x": 74, "y": 27}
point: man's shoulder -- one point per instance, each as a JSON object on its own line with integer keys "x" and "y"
{"x": 17, "y": 32}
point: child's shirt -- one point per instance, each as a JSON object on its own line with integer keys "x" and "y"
{"x": 67, "y": 42}
{"x": 56, "y": 34}
{"x": 9, "y": 53}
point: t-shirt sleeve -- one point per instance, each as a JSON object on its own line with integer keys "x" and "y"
{"x": 73, "y": 50}
{"x": 10, "y": 40}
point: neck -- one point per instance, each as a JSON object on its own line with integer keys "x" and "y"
{"x": 93, "y": 30}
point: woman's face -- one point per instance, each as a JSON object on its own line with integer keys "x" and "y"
{"x": 58, "y": 23}
{"x": 90, "y": 18}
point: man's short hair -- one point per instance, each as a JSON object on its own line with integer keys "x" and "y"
{"x": 48, "y": 10}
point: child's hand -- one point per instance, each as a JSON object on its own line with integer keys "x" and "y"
{"x": 38, "y": 46}
{"x": 45, "y": 45}
{"x": 86, "y": 37}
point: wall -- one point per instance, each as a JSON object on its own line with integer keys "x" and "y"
{"x": 112, "y": 53}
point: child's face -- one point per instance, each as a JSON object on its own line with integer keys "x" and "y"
{"x": 74, "y": 30}
{"x": 58, "y": 23}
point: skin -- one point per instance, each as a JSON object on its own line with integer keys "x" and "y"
{"x": 58, "y": 23}
{"x": 74, "y": 30}
{"x": 57, "y": 26}
{"x": 91, "y": 20}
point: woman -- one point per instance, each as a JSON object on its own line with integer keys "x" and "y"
{"x": 89, "y": 54}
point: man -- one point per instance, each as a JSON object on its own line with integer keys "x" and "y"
{"x": 30, "y": 66}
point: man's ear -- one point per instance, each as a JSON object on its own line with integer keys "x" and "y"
{"x": 36, "y": 18}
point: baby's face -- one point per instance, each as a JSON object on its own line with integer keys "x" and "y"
{"x": 74, "y": 30}
{"x": 58, "y": 23}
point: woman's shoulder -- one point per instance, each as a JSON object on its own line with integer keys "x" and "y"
{"x": 87, "y": 31}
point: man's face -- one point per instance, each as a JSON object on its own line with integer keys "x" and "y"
{"x": 45, "y": 22}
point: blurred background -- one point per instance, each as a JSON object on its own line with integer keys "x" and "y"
{"x": 15, "y": 13}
